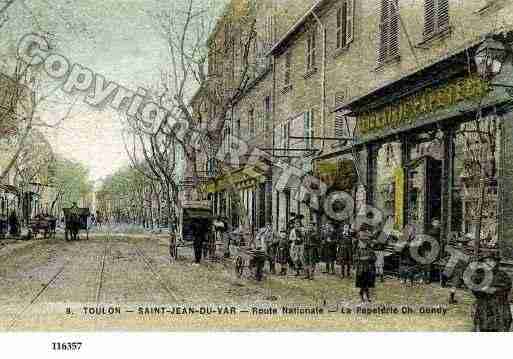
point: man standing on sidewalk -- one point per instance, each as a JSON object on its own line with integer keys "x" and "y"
{"x": 200, "y": 230}
{"x": 297, "y": 247}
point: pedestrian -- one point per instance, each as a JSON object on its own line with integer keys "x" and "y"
{"x": 199, "y": 230}
{"x": 329, "y": 247}
{"x": 365, "y": 262}
{"x": 379, "y": 248}
{"x": 14, "y": 224}
{"x": 283, "y": 256}
{"x": 220, "y": 228}
{"x": 271, "y": 243}
{"x": 492, "y": 311}
{"x": 433, "y": 232}
{"x": 297, "y": 244}
{"x": 311, "y": 253}
{"x": 346, "y": 242}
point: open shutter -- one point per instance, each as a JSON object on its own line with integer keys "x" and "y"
{"x": 339, "y": 27}
{"x": 314, "y": 33}
{"x": 443, "y": 15}
{"x": 350, "y": 21}
{"x": 384, "y": 29}
{"x": 306, "y": 128}
{"x": 429, "y": 17}
{"x": 307, "y": 52}
{"x": 393, "y": 45}
{"x": 311, "y": 127}
{"x": 339, "y": 125}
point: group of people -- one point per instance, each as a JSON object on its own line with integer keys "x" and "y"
{"x": 302, "y": 248}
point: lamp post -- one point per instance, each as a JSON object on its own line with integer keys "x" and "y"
{"x": 489, "y": 58}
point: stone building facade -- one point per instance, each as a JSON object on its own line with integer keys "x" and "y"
{"x": 342, "y": 70}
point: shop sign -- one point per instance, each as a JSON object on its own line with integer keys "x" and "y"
{"x": 246, "y": 177}
{"x": 399, "y": 177}
{"x": 405, "y": 111}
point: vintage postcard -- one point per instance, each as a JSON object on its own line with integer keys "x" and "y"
{"x": 256, "y": 165}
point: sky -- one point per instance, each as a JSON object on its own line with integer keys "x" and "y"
{"x": 116, "y": 38}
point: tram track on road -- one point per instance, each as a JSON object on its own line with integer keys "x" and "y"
{"x": 100, "y": 276}
{"x": 37, "y": 296}
{"x": 147, "y": 262}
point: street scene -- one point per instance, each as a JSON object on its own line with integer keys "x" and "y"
{"x": 134, "y": 275}
{"x": 244, "y": 165}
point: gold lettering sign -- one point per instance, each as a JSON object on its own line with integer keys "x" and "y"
{"x": 407, "y": 110}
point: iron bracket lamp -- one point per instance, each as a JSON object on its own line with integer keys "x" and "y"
{"x": 490, "y": 58}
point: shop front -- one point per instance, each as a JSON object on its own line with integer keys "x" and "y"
{"x": 434, "y": 149}
{"x": 242, "y": 196}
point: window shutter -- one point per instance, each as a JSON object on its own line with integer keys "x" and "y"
{"x": 349, "y": 21}
{"x": 443, "y": 15}
{"x": 339, "y": 27}
{"x": 306, "y": 127}
{"x": 384, "y": 30}
{"x": 429, "y": 18}
{"x": 312, "y": 54}
{"x": 308, "y": 47}
{"x": 339, "y": 126}
{"x": 393, "y": 50}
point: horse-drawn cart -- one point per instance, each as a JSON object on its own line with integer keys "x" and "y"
{"x": 45, "y": 225}
{"x": 75, "y": 221}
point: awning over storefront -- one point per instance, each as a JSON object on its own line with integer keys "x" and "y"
{"x": 339, "y": 175}
{"x": 6, "y": 188}
{"x": 245, "y": 177}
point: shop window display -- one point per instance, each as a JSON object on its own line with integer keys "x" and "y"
{"x": 476, "y": 157}
{"x": 423, "y": 172}
{"x": 388, "y": 161}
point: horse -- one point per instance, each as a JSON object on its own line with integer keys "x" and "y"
{"x": 72, "y": 225}
{"x": 76, "y": 219}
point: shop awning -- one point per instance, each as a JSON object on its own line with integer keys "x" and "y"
{"x": 6, "y": 188}
{"x": 241, "y": 178}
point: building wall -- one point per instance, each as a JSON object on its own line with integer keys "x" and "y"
{"x": 354, "y": 72}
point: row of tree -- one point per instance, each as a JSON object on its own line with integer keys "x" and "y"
{"x": 127, "y": 196}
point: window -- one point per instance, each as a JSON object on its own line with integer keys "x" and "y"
{"x": 388, "y": 47}
{"x": 345, "y": 23}
{"x": 308, "y": 128}
{"x": 285, "y": 129}
{"x": 226, "y": 139}
{"x": 310, "y": 49}
{"x": 210, "y": 167}
{"x": 251, "y": 122}
{"x": 238, "y": 128}
{"x": 288, "y": 66}
{"x": 436, "y": 17}
{"x": 227, "y": 37}
{"x": 267, "y": 113}
{"x": 269, "y": 31}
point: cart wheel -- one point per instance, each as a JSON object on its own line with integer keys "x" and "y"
{"x": 239, "y": 266}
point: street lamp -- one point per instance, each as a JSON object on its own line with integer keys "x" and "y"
{"x": 490, "y": 57}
